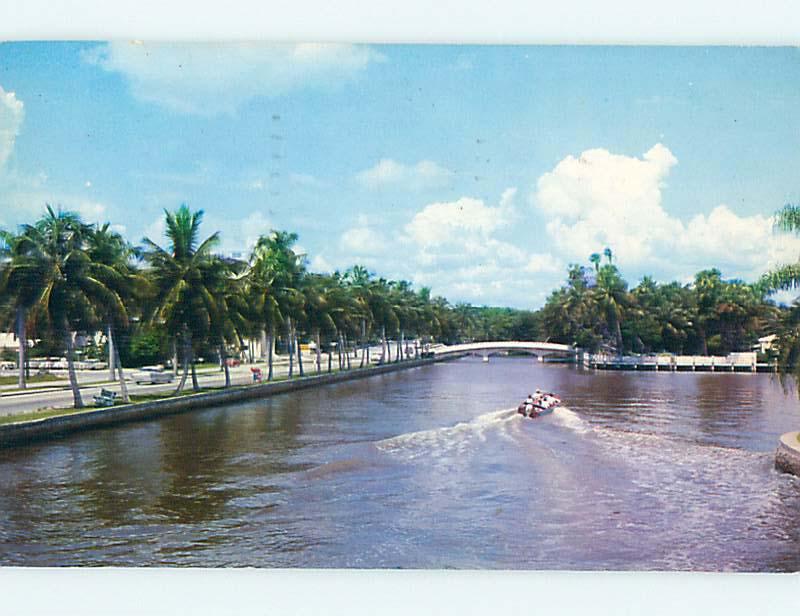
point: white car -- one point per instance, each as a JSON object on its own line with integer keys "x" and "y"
{"x": 152, "y": 375}
{"x": 93, "y": 364}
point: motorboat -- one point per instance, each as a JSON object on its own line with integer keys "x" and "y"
{"x": 539, "y": 404}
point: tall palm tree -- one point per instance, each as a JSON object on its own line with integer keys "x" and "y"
{"x": 72, "y": 297}
{"x": 185, "y": 276}
{"x": 358, "y": 283}
{"x": 611, "y": 293}
{"x": 112, "y": 263}
{"x": 230, "y": 319}
{"x": 21, "y": 279}
{"x": 275, "y": 274}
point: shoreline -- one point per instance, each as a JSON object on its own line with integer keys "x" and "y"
{"x": 787, "y": 456}
{"x": 33, "y": 430}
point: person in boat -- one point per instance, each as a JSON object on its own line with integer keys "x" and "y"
{"x": 529, "y": 402}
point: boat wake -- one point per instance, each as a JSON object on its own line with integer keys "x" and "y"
{"x": 447, "y": 440}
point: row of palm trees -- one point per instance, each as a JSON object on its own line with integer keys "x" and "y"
{"x": 595, "y": 310}
{"x": 60, "y": 276}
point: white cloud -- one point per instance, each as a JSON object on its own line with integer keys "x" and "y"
{"x": 320, "y": 264}
{"x": 362, "y": 241}
{"x": 90, "y": 211}
{"x": 455, "y": 248}
{"x": 465, "y": 220}
{"x": 209, "y": 79}
{"x": 602, "y": 199}
{"x": 388, "y": 172}
{"x": 545, "y": 263}
{"x": 156, "y": 231}
{"x": 12, "y": 113}
{"x": 238, "y": 234}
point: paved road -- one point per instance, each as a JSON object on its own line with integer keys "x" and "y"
{"x": 58, "y": 395}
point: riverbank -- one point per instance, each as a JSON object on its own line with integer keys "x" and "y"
{"x": 23, "y": 432}
{"x": 787, "y": 457}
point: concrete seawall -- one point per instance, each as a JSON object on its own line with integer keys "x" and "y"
{"x": 787, "y": 457}
{"x": 40, "y": 429}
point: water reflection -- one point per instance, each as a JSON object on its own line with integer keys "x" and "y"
{"x": 427, "y": 468}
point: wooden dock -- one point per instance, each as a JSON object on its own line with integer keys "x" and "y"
{"x": 735, "y": 362}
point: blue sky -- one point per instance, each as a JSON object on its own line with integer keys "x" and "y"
{"x": 479, "y": 171}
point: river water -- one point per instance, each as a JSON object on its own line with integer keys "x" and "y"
{"x": 429, "y": 467}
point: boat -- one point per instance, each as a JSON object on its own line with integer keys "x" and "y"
{"x": 543, "y": 404}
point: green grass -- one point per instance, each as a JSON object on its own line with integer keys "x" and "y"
{"x": 36, "y": 378}
{"x": 140, "y": 398}
{"x": 41, "y": 414}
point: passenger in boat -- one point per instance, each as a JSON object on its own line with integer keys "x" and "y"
{"x": 529, "y": 402}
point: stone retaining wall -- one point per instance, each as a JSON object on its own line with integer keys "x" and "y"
{"x": 787, "y": 457}
{"x": 38, "y": 429}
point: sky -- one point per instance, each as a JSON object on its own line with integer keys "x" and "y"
{"x": 479, "y": 171}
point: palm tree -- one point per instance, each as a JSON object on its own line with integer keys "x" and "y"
{"x": 231, "y": 320}
{"x": 358, "y": 283}
{"x": 787, "y": 276}
{"x": 594, "y": 258}
{"x": 72, "y": 297}
{"x": 185, "y": 276}
{"x": 21, "y": 279}
{"x": 275, "y": 274}
{"x": 611, "y": 294}
{"x": 111, "y": 261}
{"x": 316, "y": 289}
{"x": 383, "y": 312}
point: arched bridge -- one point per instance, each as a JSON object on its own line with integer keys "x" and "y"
{"x": 490, "y": 348}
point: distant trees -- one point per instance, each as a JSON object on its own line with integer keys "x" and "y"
{"x": 60, "y": 277}
{"x": 709, "y": 316}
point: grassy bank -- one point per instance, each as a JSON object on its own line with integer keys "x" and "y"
{"x": 139, "y": 399}
{"x": 36, "y": 378}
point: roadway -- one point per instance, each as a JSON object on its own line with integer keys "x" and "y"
{"x": 57, "y": 394}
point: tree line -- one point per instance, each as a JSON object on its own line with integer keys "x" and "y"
{"x": 60, "y": 276}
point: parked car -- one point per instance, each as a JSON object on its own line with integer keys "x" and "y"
{"x": 233, "y": 362}
{"x": 93, "y": 364}
{"x": 152, "y": 375}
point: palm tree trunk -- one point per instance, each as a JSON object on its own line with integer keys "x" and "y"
{"x": 363, "y": 342}
{"x": 195, "y": 384}
{"x": 319, "y": 351}
{"x": 299, "y": 353}
{"x": 22, "y": 343}
{"x": 330, "y": 361}
{"x": 123, "y": 385}
{"x": 187, "y": 349}
{"x": 289, "y": 348}
{"x": 383, "y": 344}
{"x": 73, "y": 378}
{"x": 224, "y": 358}
{"x": 174, "y": 357}
{"x": 402, "y": 344}
{"x": 111, "y": 355}
{"x": 270, "y": 350}
{"x": 346, "y": 350}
